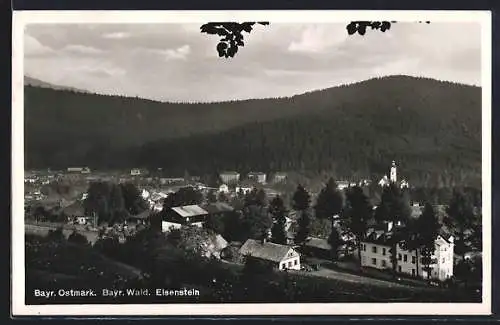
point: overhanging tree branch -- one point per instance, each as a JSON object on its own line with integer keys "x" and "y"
{"x": 231, "y": 33}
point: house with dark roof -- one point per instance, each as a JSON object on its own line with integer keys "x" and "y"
{"x": 187, "y": 215}
{"x": 281, "y": 257}
{"x": 317, "y": 247}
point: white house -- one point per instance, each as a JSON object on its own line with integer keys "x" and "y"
{"x": 342, "y": 185}
{"x": 279, "y": 177}
{"x": 157, "y": 207}
{"x": 81, "y": 170}
{"x": 404, "y": 184}
{"x": 135, "y": 172}
{"x": 281, "y": 257}
{"x": 384, "y": 181}
{"x": 376, "y": 253}
{"x": 258, "y": 177}
{"x": 145, "y": 194}
{"x": 243, "y": 189}
{"x": 223, "y": 188}
{"x": 229, "y": 177}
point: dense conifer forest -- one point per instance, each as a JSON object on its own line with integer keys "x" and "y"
{"x": 432, "y": 128}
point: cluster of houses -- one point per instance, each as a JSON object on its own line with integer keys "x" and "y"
{"x": 375, "y": 247}
{"x": 233, "y": 177}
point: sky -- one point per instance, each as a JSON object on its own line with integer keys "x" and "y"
{"x": 175, "y": 62}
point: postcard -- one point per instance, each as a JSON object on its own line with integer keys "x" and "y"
{"x": 251, "y": 163}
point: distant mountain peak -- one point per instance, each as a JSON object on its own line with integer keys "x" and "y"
{"x": 34, "y": 82}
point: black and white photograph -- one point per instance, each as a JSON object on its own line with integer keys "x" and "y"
{"x": 251, "y": 163}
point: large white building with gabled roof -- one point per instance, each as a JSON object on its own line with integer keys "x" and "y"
{"x": 376, "y": 253}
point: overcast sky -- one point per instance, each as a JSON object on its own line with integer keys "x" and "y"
{"x": 175, "y": 62}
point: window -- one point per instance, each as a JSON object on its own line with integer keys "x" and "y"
{"x": 399, "y": 257}
{"x": 374, "y": 249}
{"x": 364, "y": 247}
{"x": 413, "y": 259}
{"x": 384, "y": 263}
{"x": 374, "y": 261}
{"x": 290, "y": 264}
{"x": 283, "y": 265}
{"x": 444, "y": 259}
{"x": 405, "y": 259}
{"x": 383, "y": 251}
{"x": 295, "y": 262}
{"x": 413, "y": 272}
{"x": 399, "y": 268}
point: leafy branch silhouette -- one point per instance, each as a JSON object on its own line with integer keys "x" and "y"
{"x": 231, "y": 33}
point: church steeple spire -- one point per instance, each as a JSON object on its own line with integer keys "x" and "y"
{"x": 393, "y": 176}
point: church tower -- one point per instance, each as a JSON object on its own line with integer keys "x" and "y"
{"x": 393, "y": 176}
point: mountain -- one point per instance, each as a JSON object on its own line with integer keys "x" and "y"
{"x": 433, "y": 128}
{"x": 29, "y": 81}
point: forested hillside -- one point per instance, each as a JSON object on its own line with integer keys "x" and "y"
{"x": 429, "y": 126}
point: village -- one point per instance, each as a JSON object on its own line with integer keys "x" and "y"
{"x": 335, "y": 237}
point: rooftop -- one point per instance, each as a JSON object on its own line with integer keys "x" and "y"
{"x": 229, "y": 173}
{"x": 265, "y": 250}
{"x": 189, "y": 211}
{"x": 318, "y": 243}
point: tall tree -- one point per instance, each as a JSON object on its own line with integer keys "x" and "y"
{"x": 116, "y": 204}
{"x": 301, "y": 202}
{"x": 394, "y": 205}
{"x": 301, "y": 199}
{"x": 256, "y": 222}
{"x": 304, "y": 227}
{"x": 97, "y": 201}
{"x": 460, "y": 217}
{"x": 356, "y": 214}
{"x": 256, "y": 197}
{"x": 329, "y": 202}
{"x": 335, "y": 241}
{"x": 278, "y": 211}
{"x": 428, "y": 229}
{"x": 134, "y": 202}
